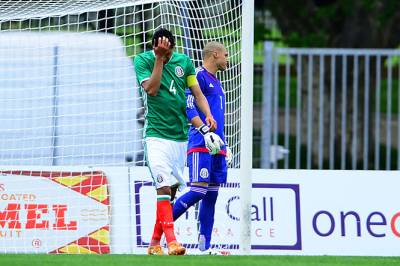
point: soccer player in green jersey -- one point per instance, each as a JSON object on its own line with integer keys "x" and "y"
{"x": 163, "y": 76}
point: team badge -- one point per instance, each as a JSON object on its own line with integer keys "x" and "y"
{"x": 204, "y": 172}
{"x": 179, "y": 71}
{"x": 160, "y": 179}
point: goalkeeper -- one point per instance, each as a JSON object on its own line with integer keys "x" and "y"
{"x": 207, "y": 166}
{"x": 164, "y": 75}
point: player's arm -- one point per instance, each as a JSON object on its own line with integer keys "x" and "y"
{"x": 152, "y": 85}
{"x": 212, "y": 141}
{"x": 202, "y": 102}
{"x": 191, "y": 110}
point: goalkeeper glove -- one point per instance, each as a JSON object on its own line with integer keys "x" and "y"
{"x": 229, "y": 155}
{"x": 213, "y": 141}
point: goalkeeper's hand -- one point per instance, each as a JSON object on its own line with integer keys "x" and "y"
{"x": 213, "y": 141}
{"x": 229, "y": 155}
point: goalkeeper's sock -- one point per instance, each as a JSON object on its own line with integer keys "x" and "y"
{"x": 187, "y": 200}
{"x": 164, "y": 213}
{"x": 206, "y": 217}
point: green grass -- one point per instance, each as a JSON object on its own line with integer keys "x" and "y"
{"x": 110, "y": 260}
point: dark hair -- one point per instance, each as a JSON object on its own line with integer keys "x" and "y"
{"x": 163, "y": 33}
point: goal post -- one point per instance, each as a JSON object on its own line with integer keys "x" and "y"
{"x": 246, "y": 147}
{"x": 70, "y": 114}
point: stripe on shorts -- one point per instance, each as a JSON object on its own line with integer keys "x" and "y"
{"x": 213, "y": 188}
{"x": 199, "y": 189}
{"x": 195, "y": 166}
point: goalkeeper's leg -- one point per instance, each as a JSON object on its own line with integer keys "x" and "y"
{"x": 206, "y": 216}
{"x": 218, "y": 175}
{"x": 196, "y": 193}
{"x": 199, "y": 168}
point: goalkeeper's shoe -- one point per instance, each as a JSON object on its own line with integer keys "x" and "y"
{"x": 155, "y": 250}
{"x": 215, "y": 252}
{"x": 174, "y": 248}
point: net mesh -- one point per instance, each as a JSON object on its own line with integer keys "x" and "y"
{"x": 71, "y": 119}
{"x": 69, "y": 94}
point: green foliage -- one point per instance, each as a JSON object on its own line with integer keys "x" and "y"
{"x": 395, "y": 61}
{"x": 384, "y": 94}
{"x": 259, "y": 53}
{"x": 334, "y": 23}
{"x": 313, "y": 39}
{"x": 274, "y": 35}
{"x": 390, "y": 10}
{"x": 260, "y": 33}
{"x": 369, "y": 4}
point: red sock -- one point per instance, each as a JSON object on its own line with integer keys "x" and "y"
{"x": 164, "y": 212}
{"x": 157, "y": 233}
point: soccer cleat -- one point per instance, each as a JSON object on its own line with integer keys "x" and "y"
{"x": 155, "y": 250}
{"x": 174, "y": 248}
{"x": 215, "y": 252}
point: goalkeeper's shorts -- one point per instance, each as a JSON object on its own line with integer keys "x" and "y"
{"x": 166, "y": 161}
{"x": 204, "y": 167}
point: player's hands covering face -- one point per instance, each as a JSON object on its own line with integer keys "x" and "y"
{"x": 163, "y": 48}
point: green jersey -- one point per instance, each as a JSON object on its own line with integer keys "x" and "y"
{"x": 165, "y": 113}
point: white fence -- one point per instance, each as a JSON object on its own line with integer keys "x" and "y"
{"x": 331, "y": 108}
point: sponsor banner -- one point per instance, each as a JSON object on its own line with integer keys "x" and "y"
{"x": 68, "y": 210}
{"x": 293, "y": 212}
{"x": 345, "y": 212}
{"x": 54, "y": 212}
{"x": 275, "y": 217}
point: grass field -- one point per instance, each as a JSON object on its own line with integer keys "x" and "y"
{"x": 111, "y": 260}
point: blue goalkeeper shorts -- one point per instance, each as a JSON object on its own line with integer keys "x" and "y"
{"x": 204, "y": 167}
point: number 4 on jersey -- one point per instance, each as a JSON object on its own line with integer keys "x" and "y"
{"x": 172, "y": 88}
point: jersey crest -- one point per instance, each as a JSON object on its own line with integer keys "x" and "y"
{"x": 160, "y": 179}
{"x": 204, "y": 172}
{"x": 179, "y": 71}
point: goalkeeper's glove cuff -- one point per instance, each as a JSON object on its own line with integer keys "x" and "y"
{"x": 204, "y": 129}
{"x": 229, "y": 155}
{"x": 212, "y": 141}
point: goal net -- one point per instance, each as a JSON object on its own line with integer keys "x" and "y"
{"x": 71, "y": 116}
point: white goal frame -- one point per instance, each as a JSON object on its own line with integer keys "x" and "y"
{"x": 243, "y": 72}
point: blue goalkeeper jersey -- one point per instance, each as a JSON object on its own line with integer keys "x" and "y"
{"x": 212, "y": 90}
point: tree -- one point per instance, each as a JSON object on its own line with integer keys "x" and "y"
{"x": 339, "y": 24}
